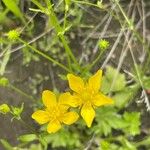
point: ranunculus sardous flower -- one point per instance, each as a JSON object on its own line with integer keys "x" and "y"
{"x": 55, "y": 112}
{"x": 87, "y": 96}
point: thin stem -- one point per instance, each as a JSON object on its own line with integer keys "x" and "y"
{"x": 45, "y": 56}
{"x": 96, "y": 59}
{"x": 20, "y": 92}
{"x": 60, "y": 33}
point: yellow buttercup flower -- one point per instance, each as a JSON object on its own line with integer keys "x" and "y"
{"x": 55, "y": 112}
{"x": 87, "y": 96}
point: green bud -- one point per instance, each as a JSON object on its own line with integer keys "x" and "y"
{"x": 4, "y": 109}
{"x": 13, "y": 35}
{"x": 103, "y": 44}
{"x": 16, "y": 111}
{"x": 4, "y": 81}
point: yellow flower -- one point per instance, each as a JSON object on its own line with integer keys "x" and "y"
{"x": 55, "y": 112}
{"x": 87, "y": 96}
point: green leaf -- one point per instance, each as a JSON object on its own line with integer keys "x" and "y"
{"x": 144, "y": 142}
{"x": 127, "y": 145}
{"x": 63, "y": 138}
{"x": 108, "y": 83}
{"x": 3, "y": 16}
{"x": 13, "y": 7}
{"x": 27, "y": 138}
{"x": 133, "y": 120}
{"x": 108, "y": 119}
{"x": 6, "y": 145}
{"x": 122, "y": 98}
{"x": 105, "y": 88}
{"x": 104, "y": 145}
{"x": 36, "y": 147}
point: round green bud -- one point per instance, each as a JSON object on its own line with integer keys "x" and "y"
{"x": 4, "y": 109}
{"x": 103, "y": 44}
{"x": 13, "y": 35}
{"x": 4, "y": 81}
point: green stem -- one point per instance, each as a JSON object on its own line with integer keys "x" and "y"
{"x": 59, "y": 30}
{"x": 20, "y": 92}
{"x": 96, "y": 59}
{"x": 60, "y": 33}
{"x": 45, "y": 56}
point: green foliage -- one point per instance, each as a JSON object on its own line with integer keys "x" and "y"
{"x": 35, "y": 147}
{"x": 113, "y": 81}
{"x": 146, "y": 82}
{"x": 6, "y": 145}
{"x": 27, "y": 138}
{"x": 124, "y": 145}
{"x": 13, "y": 7}
{"x": 133, "y": 120}
{"x": 17, "y": 111}
{"x": 108, "y": 119}
{"x": 123, "y": 97}
{"x": 64, "y": 138}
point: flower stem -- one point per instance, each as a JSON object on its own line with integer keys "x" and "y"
{"x": 20, "y": 92}
{"x": 45, "y": 56}
{"x": 96, "y": 59}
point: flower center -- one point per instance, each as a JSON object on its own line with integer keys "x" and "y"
{"x": 86, "y": 95}
{"x": 55, "y": 112}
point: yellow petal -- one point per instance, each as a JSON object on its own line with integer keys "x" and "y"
{"x": 71, "y": 100}
{"x": 70, "y": 117}
{"x": 75, "y": 83}
{"x": 101, "y": 99}
{"x": 75, "y": 100}
{"x": 95, "y": 81}
{"x": 64, "y": 97}
{"x": 49, "y": 98}
{"x": 63, "y": 108}
{"x": 41, "y": 116}
{"x": 88, "y": 113}
{"x": 53, "y": 126}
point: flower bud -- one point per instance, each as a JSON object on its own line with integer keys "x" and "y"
{"x": 13, "y": 35}
{"x": 4, "y": 109}
{"x": 103, "y": 44}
